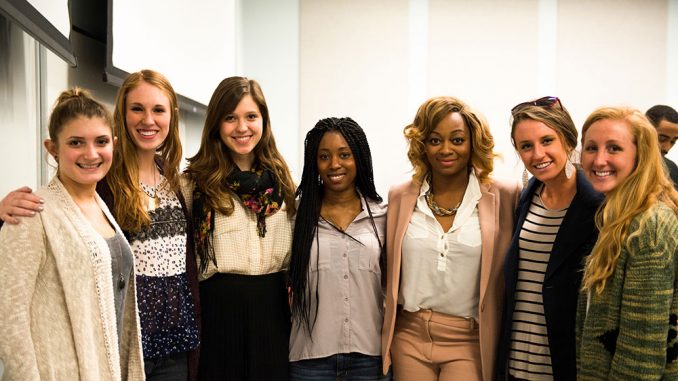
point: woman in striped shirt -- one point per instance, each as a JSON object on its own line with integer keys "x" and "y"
{"x": 554, "y": 231}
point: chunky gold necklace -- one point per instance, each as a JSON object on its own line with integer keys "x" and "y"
{"x": 438, "y": 210}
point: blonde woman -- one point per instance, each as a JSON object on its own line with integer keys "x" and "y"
{"x": 627, "y": 314}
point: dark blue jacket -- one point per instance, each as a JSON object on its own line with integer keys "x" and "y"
{"x": 574, "y": 241}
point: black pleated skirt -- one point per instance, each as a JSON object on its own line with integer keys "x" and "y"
{"x": 245, "y": 328}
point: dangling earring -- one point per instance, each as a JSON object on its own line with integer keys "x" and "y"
{"x": 569, "y": 167}
{"x": 525, "y": 177}
{"x": 320, "y": 181}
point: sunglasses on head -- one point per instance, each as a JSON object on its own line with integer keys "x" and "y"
{"x": 541, "y": 102}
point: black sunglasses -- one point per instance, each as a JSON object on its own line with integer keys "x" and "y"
{"x": 541, "y": 102}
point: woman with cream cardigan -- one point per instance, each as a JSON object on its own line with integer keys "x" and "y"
{"x": 67, "y": 275}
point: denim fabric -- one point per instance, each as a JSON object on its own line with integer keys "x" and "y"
{"x": 344, "y": 367}
{"x": 172, "y": 368}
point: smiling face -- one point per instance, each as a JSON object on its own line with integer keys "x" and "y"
{"x": 541, "y": 150}
{"x": 608, "y": 154}
{"x": 83, "y": 150}
{"x": 147, "y": 116}
{"x": 448, "y": 147}
{"x": 241, "y": 131}
{"x": 668, "y": 134}
{"x": 336, "y": 164}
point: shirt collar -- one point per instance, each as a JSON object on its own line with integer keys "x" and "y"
{"x": 377, "y": 209}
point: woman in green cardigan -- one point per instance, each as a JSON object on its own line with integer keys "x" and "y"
{"x": 627, "y": 313}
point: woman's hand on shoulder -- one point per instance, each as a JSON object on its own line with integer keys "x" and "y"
{"x": 21, "y": 202}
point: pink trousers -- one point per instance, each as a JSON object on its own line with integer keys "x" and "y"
{"x": 429, "y": 345}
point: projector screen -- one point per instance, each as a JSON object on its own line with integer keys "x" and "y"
{"x": 47, "y": 21}
{"x": 192, "y": 43}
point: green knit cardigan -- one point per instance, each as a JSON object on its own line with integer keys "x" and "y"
{"x": 629, "y": 331}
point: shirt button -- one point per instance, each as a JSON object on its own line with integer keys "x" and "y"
{"x": 346, "y": 320}
{"x": 442, "y": 255}
{"x": 345, "y": 276}
{"x": 346, "y": 299}
{"x": 344, "y": 255}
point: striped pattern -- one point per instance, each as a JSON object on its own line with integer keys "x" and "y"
{"x": 530, "y": 357}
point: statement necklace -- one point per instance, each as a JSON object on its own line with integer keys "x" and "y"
{"x": 152, "y": 195}
{"x": 437, "y": 210}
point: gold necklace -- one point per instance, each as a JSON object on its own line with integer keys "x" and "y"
{"x": 438, "y": 210}
{"x": 153, "y": 200}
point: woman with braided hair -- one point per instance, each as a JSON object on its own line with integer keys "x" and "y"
{"x": 335, "y": 269}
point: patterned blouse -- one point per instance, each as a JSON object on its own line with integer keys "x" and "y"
{"x": 168, "y": 323}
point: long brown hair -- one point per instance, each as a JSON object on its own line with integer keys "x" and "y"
{"x": 123, "y": 178}
{"x": 646, "y": 185}
{"x": 210, "y": 167}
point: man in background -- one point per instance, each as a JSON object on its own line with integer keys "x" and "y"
{"x": 665, "y": 120}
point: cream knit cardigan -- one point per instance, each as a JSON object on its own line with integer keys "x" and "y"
{"x": 57, "y": 315}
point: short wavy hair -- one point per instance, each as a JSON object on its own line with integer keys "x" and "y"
{"x": 432, "y": 112}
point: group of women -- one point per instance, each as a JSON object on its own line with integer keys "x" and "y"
{"x": 133, "y": 270}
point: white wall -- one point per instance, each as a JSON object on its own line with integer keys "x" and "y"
{"x": 358, "y": 59}
{"x": 20, "y": 143}
{"x": 269, "y": 53}
{"x": 354, "y": 63}
{"x": 378, "y": 60}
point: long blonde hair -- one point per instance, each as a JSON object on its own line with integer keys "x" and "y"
{"x": 213, "y": 163}
{"x": 123, "y": 178}
{"x": 646, "y": 185}
{"x": 428, "y": 116}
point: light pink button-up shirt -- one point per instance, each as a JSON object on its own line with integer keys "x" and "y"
{"x": 351, "y": 300}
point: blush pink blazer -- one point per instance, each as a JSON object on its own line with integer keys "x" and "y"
{"x": 496, "y": 209}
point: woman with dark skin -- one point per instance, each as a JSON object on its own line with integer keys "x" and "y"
{"x": 335, "y": 270}
{"x": 447, "y": 233}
